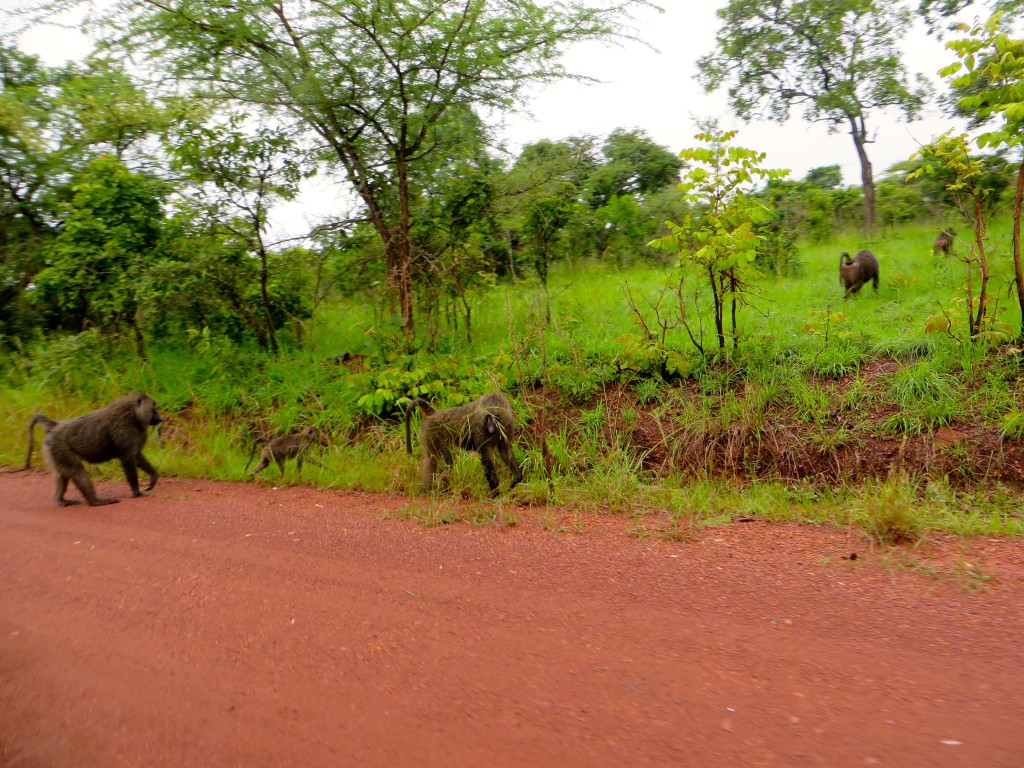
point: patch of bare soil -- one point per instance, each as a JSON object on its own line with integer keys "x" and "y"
{"x": 779, "y": 446}
{"x": 216, "y": 624}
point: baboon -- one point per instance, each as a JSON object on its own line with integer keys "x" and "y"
{"x": 117, "y": 431}
{"x": 284, "y": 447}
{"x": 47, "y": 423}
{"x": 944, "y": 242}
{"x": 853, "y": 273}
{"x": 485, "y": 425}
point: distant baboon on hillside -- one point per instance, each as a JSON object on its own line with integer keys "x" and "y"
{"x": 853, "y": 273}
{"x": 944, "y": 242}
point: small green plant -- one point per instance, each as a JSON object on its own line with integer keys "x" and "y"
{"x": 892, "y": 515}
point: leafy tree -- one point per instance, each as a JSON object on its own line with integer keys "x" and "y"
{"x": 936, "y": 11}
{"x": 370, "y": 79}
{"x": 633, "y": 165}
{"x": 243, "y": 173}
{"x": 838, "y": 59}
{"x": 824, "y": 177}
{"x": 989, "y": 55}
{"x": 98, "y": 262}
{"x": 721, "y": 241}
{"x": 53, "y": 122}
{"x": 967, "y": 177}
{"x": 544, "y": 219}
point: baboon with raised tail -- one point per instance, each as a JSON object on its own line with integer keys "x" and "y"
{"x": 485, "y": 425}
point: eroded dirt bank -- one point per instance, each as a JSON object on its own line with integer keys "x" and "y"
{"x": 214, "y": 624}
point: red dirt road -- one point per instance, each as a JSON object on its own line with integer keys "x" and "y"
{"x": 213, "y": 624}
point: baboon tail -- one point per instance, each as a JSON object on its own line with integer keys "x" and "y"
{"x": 423, "y": 405}
{"x": 252, "y": 453}
{"x": 47, "y": 423}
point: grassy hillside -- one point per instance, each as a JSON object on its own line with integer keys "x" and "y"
{"x": 830, "y": 410}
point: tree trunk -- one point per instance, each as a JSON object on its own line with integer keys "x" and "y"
{"x": 265, "y": 295}
{"x": 404, "y": 265}
{"x": 1016, "y": 245}
{"x": 867, "y": 179}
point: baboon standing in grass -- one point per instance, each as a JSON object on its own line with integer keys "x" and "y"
{"x": 944, "y": 242}
{"x": 485, "y": 425}
{"x": 854, "y": 273}
{"x": 280, "y": 449}
{"x": 118, "y": 431}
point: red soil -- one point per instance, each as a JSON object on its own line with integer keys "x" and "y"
{"x": 216, "y": 624}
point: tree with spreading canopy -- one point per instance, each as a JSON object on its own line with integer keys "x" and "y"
{"x": 838, "y": 59}
{"x": 368, "y": 79}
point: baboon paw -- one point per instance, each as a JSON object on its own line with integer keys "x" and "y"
{"x": 102, "y": 502}
{"x": 68, "y": 502}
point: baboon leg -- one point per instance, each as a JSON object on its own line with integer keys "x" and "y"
{"x": 436, "y": 454}
{"x": 84, "y": 484}
{"x": 298, "y": 462}
{"x": 264, "y": 463}
{"x": 146, "y": 467}
{"x": 280, "y": 464}
{"x": 131, "y": 474}
{"x": 505, "y": 451}
{"x": 60, "y": 487}
{"x": 487, "y": 459}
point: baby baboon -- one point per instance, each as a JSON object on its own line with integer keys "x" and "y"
{"x": 47, "y": 423}
{"x": 117, "y": 431}
{"x": 485, "y": 425}
{"x": 853, "y": 273}
{"x": 284, "y": 447}
{"x": 944, "y": 242}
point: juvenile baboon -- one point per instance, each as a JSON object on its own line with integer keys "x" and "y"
{"x": 282, "y": 448}
{"x": 853, "y": 273}
{"x": 47, "y": 423}
{"x": 485, "y": 425}
{"x": 117, "y": 431}
{"x": 944, "y": 242}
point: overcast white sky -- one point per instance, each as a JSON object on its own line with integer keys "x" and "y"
{"x": 653, "y": 89}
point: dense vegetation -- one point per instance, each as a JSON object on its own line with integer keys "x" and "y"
{"x": 688, "y": 371}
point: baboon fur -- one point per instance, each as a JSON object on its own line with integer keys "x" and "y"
{"x": 285, "y": 447}
{"x": 48, "y": 424}
{"x": 854, "y": 273}
{"x": 117, "y": 431}
{"x": 944, "y": 242}
{"x": 485, "y": 425}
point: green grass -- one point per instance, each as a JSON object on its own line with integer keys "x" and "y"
{"x": 839, "y": 373}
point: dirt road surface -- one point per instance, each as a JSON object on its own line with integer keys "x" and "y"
{"x": 215, "y": 624}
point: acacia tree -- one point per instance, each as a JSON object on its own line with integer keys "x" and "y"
{"x": 838, "y": 59}
{"x": 369, "y": 78}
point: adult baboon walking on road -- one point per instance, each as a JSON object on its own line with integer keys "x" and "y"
{"x": 118, "y": 431}
{"x": 282, "y": 448}
{"x": 485, "y": 425}
{"x": 853, "y": 273}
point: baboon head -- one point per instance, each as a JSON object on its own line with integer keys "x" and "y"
{"x": 145, "y": 411}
